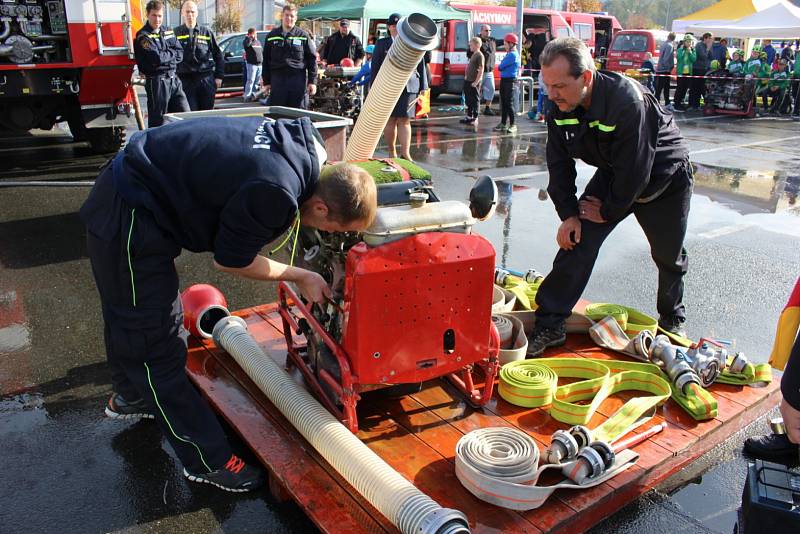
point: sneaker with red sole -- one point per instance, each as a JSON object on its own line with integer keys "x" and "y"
{"x": 235, "y": 476}
{"x": 120, "y": 408}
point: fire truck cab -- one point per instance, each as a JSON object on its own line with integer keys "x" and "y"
{"x": 68, "y": 60}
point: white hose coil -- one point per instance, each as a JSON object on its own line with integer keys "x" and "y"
{"x": 395, "y": 497}
{"x": 500, "y": 465}
{"x": 416, "y": 34}
{"x": 505, "y": 328}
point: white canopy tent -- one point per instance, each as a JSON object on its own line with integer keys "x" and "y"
{"x": 781, "y": 21}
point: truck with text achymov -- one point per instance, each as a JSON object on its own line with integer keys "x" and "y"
{"x": 449, "y": 61}
{"x": 68, "y": 60}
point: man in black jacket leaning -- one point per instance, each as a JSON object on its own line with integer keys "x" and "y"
{"x": 643, "y": 168}
{"x": 163, "y": 193}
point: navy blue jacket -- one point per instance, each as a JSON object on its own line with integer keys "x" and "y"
{"x": 418, "y": 81}
{"x": 222, "y": 185}
{"x": 294, "y": 49}
{"x": 157, "y": 51}
{"x": 201, "y": 54}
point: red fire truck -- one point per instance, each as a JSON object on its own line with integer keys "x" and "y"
{"x": 68, "y": 60}
{"x": 449, "y": 61}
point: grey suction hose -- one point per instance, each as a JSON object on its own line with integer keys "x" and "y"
{"x": 416, "y": 34}
{"x": 409, "y": 509}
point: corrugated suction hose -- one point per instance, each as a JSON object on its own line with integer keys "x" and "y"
{"x": 395, "y": 497}
{"x": 416, "y": 34}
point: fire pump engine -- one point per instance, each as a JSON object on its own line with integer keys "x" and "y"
{"x": 68, "y": 60}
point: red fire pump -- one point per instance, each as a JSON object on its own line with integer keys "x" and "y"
{"x": 411, "y": 302}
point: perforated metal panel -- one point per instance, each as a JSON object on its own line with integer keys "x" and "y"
{"x": 419, "y": 307}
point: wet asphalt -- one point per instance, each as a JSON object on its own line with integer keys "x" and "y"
{"x": 66, "y": 468}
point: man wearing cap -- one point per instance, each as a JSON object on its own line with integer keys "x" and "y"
{"x": 488, "y": 49}
{"x": 608, "y": 121}
{"x": 398, "y": 128}
{"x": 340, "y": 45}
{"x": 290, "y": 63}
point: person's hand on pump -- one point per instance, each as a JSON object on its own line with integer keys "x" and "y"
{"x": 313, "y": 286}
{"x": 791, "y": 420}
{"x": 589, "y": 210}
{"x": 569, "y": 233}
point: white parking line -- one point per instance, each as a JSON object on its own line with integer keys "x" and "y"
{"x": 744, "y": 145}
{"x": 724, "y": 230}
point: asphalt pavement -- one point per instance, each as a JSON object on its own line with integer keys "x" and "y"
{"x": 66, "y": 468}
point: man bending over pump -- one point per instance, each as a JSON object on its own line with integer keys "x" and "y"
{"x": 227, "y": 186}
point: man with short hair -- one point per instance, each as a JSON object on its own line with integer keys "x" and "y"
{"x": 340, "y": 45}
{"x": 666, "y": 62}
{"x": 162, "y": 194}
{"x": 643, "y": 168}
{"x": 203, "y": 66}
{"x": 290, "y": 63}
{"x": 697, "y": 87}
{"x": 489, "y": 50}
{"x": 253, "y": 58}
{"x": 158, "y": 53}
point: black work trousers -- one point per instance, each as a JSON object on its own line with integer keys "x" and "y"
{"x": 133, "y": 265}
{"x": 472, "y": 99}
{"x": 288, "y": 88}
{"x": 662, "y": 86}
{"x": 664, "y": 223}
{"x": 200, "y": 89}
{"x": 697, "y": 88}
{"x": 508, "y": 100}
{"x": 680, "y": 90}
{"x": 164, "y": 95}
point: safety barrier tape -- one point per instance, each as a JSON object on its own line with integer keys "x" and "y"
{"x": 501, "y": 466}
{"x": 534, "y": 383}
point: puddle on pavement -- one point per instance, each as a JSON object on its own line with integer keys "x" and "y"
{"x": 14, "y": 331}
{"x": 481, "y": 153}
{"x": 748, "y": 191}
{"x": 21, "y": 413}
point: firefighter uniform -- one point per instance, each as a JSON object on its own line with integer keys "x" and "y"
{"x": 159, "y": 195}
{"x": 642, "y": 168}
{"x": 202, "y": 63}
{"x": 157, "y": 56}
{"x": 290, "y": 64}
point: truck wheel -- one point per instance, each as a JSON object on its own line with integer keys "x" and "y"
{"x": 105, "y": 140}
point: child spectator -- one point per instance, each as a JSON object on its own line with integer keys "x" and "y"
{"x": 756, "y": 67}
{"x": 736, "y": 65}
{"x": 363, "y": 76}
{"x": 509, "y": 68}
{"x": 778, "y": 88}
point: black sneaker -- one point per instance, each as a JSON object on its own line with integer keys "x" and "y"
{"x": 235, "y": 476}
{"x": 488, "y": 111}
{"x": 771, "y": 447}
{"x": 541, "y": 338}
{"x": 673, "y": 327}
{"x": 119, "y": 408}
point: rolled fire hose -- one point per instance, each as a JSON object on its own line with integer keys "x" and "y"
{"x": 608, "y": 333}
{"x": 505, "y": 328}
{"x": 404, "y": 505}
{"x": 416, "y": 34}
{"x": 631, "y": 320}
{"x": 501, "y": 466}
{"x": 534, "y": 383}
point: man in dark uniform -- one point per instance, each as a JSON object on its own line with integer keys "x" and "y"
{"x": 203, "y": 66}
{"x": 398, "y": 127}
{"x": 157, "y": 54}
{"x": 290, "y": 63}
{"x": 643, "y": 168}
{"x": 340, "y": 45}
{"x": 163, "y": 193}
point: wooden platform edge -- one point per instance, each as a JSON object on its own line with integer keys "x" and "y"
{"x": 661, "y": 474}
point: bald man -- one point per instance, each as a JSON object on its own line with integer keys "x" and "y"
{"x": 203, "y": 66}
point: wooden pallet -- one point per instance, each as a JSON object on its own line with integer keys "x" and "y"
{"x": 416, "y": 434}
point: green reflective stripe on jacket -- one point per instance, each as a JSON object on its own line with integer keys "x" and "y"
{"x": 154, "y": 35}
{"x": 183, "y": 37}
{"x": 565, "y": 122}
{"x": 204, "y": 37}
{"x": 602, "y": 127}
{"x": 275, "y": 39}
